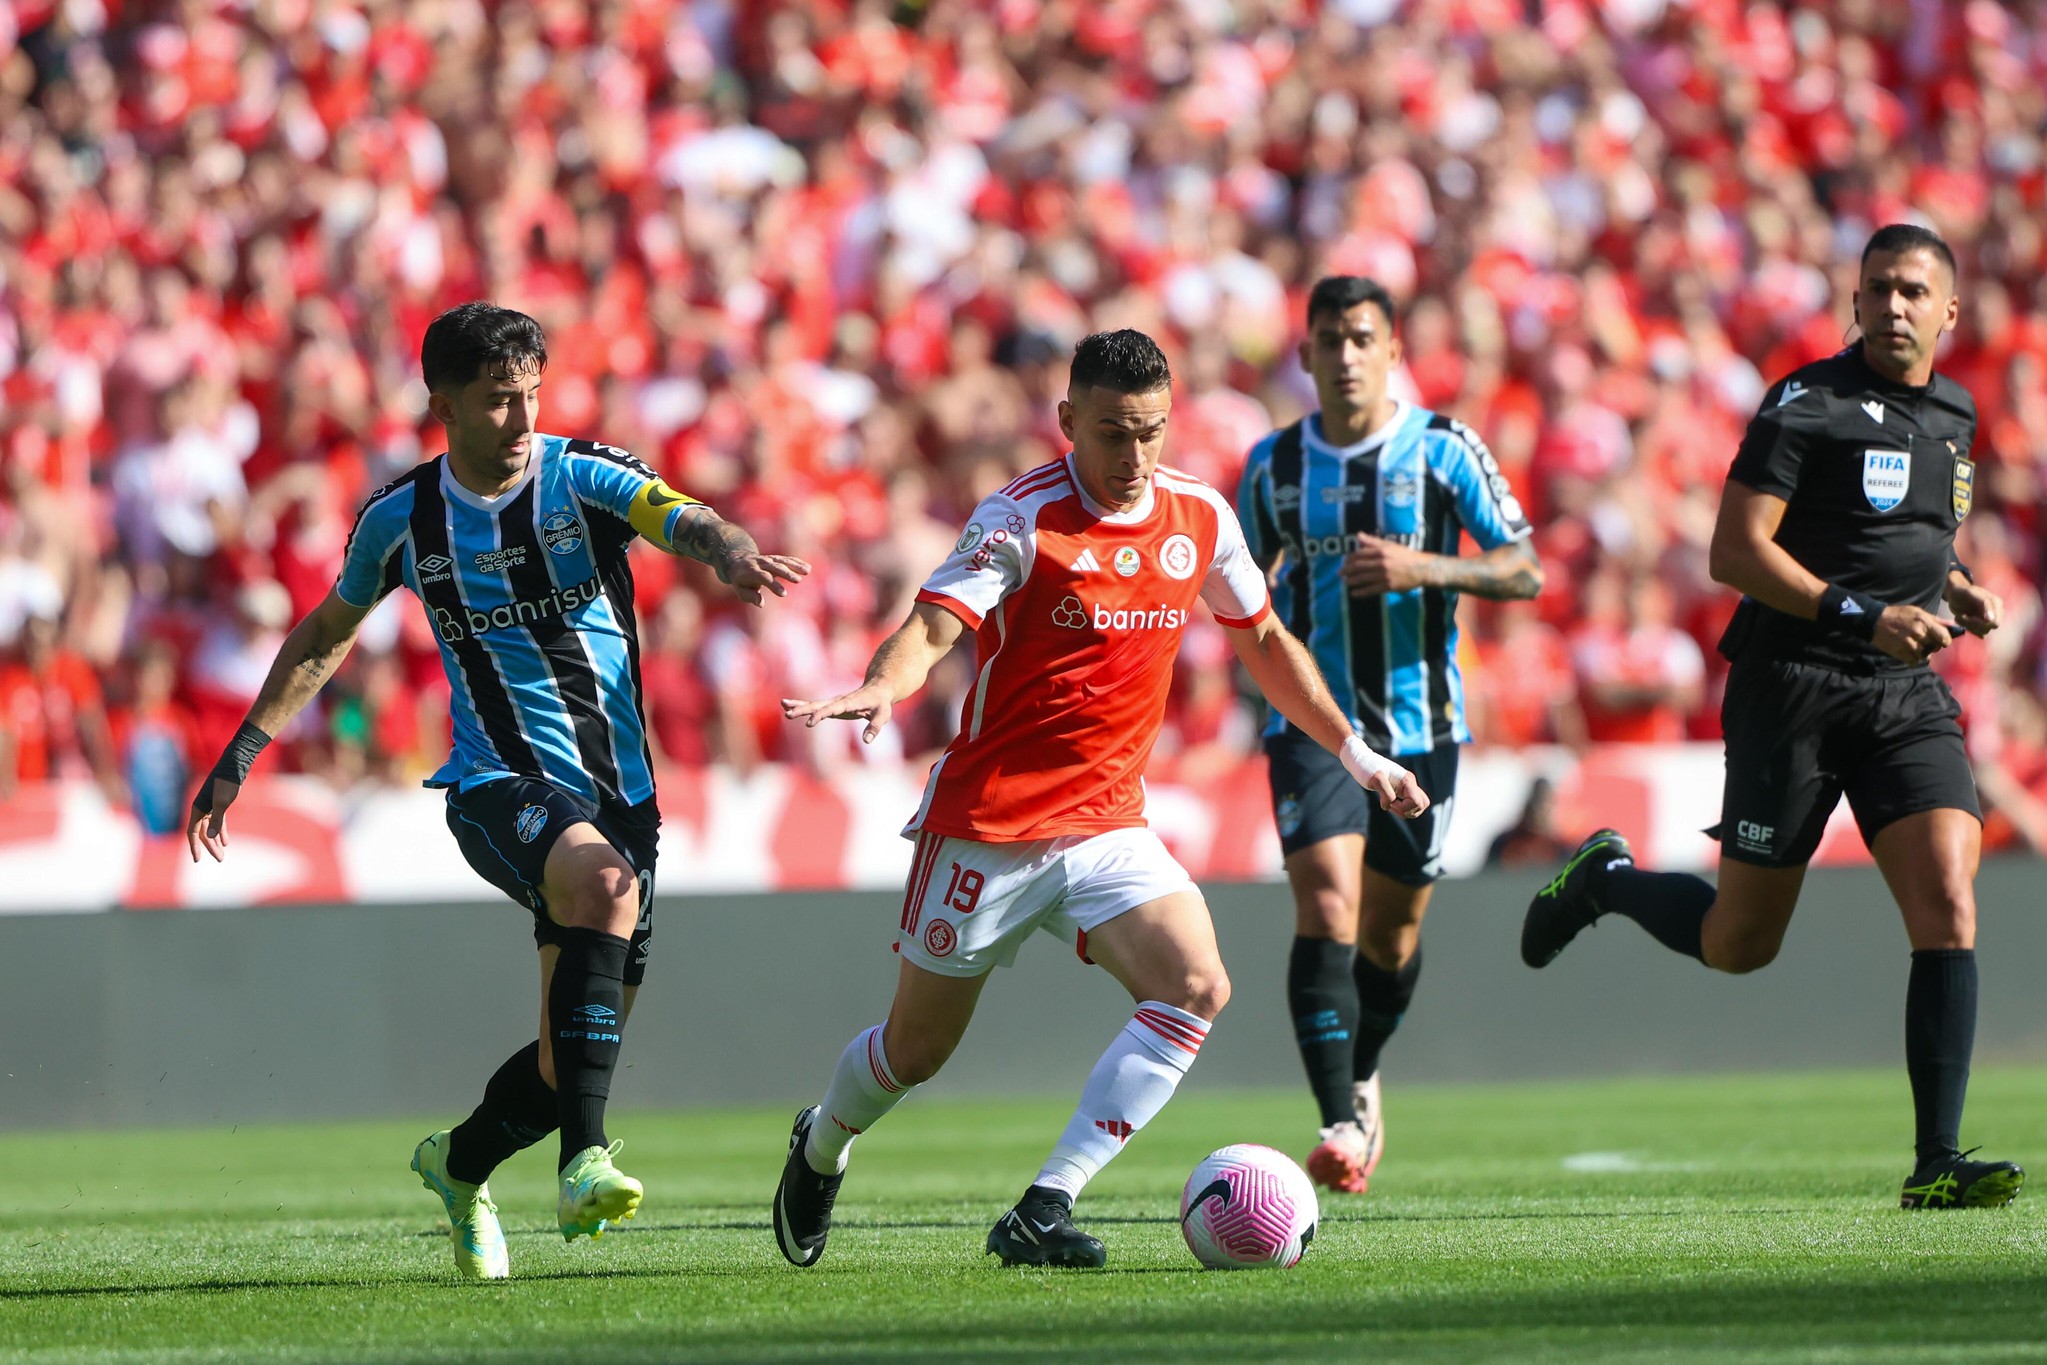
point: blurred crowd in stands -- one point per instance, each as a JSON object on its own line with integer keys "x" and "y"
{"x": 822, "y": 261}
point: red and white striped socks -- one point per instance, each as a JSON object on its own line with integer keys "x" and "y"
{"x": 1128, "y": 1086}
{"x": 862, "y": 1090}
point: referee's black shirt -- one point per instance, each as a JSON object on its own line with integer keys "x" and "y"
{"x": 1876, "y": 476}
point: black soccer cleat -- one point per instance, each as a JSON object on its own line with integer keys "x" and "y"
{"x": 803, "y": 1200}
{"x": 1565, "y": 907}
{"x": 1040, "y": 1231}
{"x": 1955, "y": 1182}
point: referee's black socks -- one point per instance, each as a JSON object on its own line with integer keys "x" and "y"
{"x": 519, "y": 1108}
{"x": 1672, "y": 906}
{"x": 1940, "y": 1035}
{"x": 586, "y": 1013}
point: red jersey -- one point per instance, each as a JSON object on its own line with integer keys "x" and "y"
{"x": 1077, "y": 613}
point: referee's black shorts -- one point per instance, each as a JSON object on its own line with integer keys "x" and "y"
{"x": 1313, "y": 799}
{"x": 506, "y": 827}
{"x": 1800, "y": 736}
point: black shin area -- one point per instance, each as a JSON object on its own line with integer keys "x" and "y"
{"x": 585, "y": 1011}
{"x": 518, "y": 1109}
{"x": 1383, "y": 997}
{"x": 1324, "y": 1003}
{"x": 1672, "y": 906}
{"x": 1940, "y": 1035}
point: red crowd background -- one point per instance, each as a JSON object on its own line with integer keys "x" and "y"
{"x": 822, "y": 262}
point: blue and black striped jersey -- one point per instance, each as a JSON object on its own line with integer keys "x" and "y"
{"x": 1422, "y": 480}
{"x": 531, "y": 596}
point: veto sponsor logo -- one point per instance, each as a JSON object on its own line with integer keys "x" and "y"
{"x": 435, "y": 569}
{"x": 562, "y": 533}
{"x": 455, "y": 626}
{"x": 497, "y": 561}
{"x": 1886, "y": 477}
{"x": 1177, "y": 557}
{"x": 989, "y": 542}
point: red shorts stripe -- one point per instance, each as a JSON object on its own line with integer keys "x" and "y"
{"x": 920, "y": 879}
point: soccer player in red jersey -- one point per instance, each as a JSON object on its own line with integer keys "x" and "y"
{"x": 1076, "y": 581}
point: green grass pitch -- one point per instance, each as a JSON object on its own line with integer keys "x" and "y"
{"x": 1747, "y": 1219}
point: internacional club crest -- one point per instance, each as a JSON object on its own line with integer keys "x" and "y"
{"x": 1177, "y": 556}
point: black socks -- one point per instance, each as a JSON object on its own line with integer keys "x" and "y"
{"x": 1940, "y": 1035}
{"x": 518, "y": 1109}
{"x": 1383, "y": 997}
{"x": 1672, "y": 906}
{"x": 586, "y": 1011}
{"x": 1324, "y": 1003}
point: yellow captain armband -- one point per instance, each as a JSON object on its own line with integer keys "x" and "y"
{"x": 653, "y": 507}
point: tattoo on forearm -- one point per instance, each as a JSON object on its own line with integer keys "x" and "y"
{"x": 1503, "y": 578}
{"x": 704, "y": 535}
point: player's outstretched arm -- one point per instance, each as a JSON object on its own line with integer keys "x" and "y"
{"x": 702, "y": 534}
{"x": 898, "y": 669}
{"x": 304, "y": 663}
{"x": 1745, "y": 556}
{"x": 1285, "y": 672}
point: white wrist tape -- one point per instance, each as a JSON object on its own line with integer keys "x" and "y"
{"x": 1363, "y": 764}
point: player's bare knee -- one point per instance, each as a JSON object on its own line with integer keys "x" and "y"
{"x": 1742, "y": 956}
{"x": 1203, "y": 992}
{"x": 1327, "y": 913}
{"x": 914, "y": 1060}
{"x": 605, "y": 898}
{"x": 546, "y": 1062}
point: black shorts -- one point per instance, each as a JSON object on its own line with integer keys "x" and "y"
{"x": 1313, "y": 799}
{"x": 1800, "y": 736}
{"x": 506, "y": 828}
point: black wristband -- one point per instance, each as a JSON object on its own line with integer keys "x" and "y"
{"x": 233, "y": 764}
{"x": 1955, "y": 565}
{"x": 1843, "y": 611}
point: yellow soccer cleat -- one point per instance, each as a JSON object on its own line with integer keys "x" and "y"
{"x": 595, "y": 1194}
{"x": 472, "y": 1217}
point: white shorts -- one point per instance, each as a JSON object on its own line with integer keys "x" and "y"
{"x": 970, "y": 905}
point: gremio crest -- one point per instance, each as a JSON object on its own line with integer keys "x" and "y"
{"x": 1965, "y": 486}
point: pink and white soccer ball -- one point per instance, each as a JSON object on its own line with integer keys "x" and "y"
{"x": 1248, "y": 1206}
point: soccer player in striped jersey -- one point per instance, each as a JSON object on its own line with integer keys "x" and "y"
{"x": 1361, "y": 505}
{"x": 1076, "y": 582}
{"x": 515, "y": 544}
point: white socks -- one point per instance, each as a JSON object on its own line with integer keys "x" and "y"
{"x": 1128, "y": 1086}
{"x": 862, "y": 1090}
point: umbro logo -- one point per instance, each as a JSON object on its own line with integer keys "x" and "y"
{"x": 1087, "y": 563}
{"x": 434, "y": 569}
{"x": 1793, "y": 391}
{"x": 1875, "y": 411}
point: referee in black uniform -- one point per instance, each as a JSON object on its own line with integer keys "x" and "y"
{"x": 1838, "y": 524}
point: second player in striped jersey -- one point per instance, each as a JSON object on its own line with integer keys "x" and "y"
{"x": 515, "y": 544}
{"x": 1361, "y": 506}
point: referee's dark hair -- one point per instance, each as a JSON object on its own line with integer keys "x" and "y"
{"x": 1895, "y": 238}
{"x": 1338, "y": 294}
{"x": 471, "y": 337}
{"x": 1125, "y": 361}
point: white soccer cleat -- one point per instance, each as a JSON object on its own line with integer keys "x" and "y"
{"x": 472, "y": 1218}
{"x": 1364, "y": 1097}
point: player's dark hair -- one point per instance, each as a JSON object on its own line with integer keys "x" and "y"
{"x": 469, "y": 338}
{"x": 1338, "y": 294}
{"x": 1895, "y": 238}
{"x": 1125, "y": 361}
